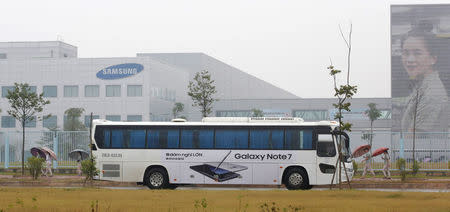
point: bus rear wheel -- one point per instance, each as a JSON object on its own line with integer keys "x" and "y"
{"x": 156, "y": 178}
{"x": 296, "y": 178}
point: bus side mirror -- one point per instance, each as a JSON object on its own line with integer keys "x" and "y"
{"x": 325, "y": 138}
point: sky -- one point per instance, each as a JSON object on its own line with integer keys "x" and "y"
{"x": 287, "y": 43}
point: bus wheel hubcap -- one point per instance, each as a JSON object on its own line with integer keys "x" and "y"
{"x": 156, "y": 179}
{"x": 295, "y": 179}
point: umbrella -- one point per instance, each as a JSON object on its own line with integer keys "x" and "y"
{"x": 50, "y": 152}
{"x": 379, "y": 151}
{"x": 78, "y": 154}
{"x": 361, "y": 150}
{"x": 36, "y": 151}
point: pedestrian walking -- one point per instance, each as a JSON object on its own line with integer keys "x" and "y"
{"x": 79, "y": 171}
{"x": 48, "y": 166}
{"x": 387, "y": 164}
{"x": 367, "y": 165}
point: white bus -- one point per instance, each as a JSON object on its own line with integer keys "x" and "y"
{"x": 254, "y": 151}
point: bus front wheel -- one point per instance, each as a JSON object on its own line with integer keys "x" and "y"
{"x": 296, "y": 178}
{"x": 156, "y": 178}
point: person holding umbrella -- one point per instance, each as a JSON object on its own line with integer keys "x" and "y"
{"x": 387, "y": 165}
{"x": 39, "y": 153}
{"x": 78, "y": 154}
{"x": 48, "y": 165}
{"x": 367, "y": 164}
{"x": 49, "y": 156}
{"x": 79, "y": 171}
{"x": 386, "y": 159}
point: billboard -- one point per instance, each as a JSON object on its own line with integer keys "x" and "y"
{"x": 420, "y": 70}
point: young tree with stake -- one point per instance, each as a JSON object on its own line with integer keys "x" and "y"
{"x": 25, "y": 104}
{"x": 343, "y": 93}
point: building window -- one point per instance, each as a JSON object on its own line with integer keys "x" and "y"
{"x": 3, "y": 56}
{"x": 134, "y": 90}
{"x": 5, "y": 90}
{"x": 113, "y": 90}
{"x": 91, "y": 91}
{"x": 71, "y": 91}
{"x": 8, "y": 122}
{"x": 31, "y": 123}
{"x": 50, "y": 90}
{"x": 33, "y": 89}
{"x": 134, "y": 118}
{"x": 386, "y": 114}
{"x": 50, "y": 122}
{"x": 312, "y": 115}
{"x": 113, "y": 117}
{"x": 87, "y": 120}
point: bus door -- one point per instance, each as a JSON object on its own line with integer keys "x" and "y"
{"x": 326, "y": 158}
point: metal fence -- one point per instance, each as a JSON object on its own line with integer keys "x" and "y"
{"x": 432, "y": 150}
{"x": 62, "y": 143}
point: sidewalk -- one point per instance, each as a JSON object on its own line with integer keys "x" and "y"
{"x": 56, "y": 181}
{"x": 78, "y": 181}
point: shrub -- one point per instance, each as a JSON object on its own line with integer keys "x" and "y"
{"x": 35, "y": 165}
{"x": 401, "y": 163}
{"x": 415, "y": 167}
{"x": 355, "y": 166}
{"x": 89, "y": 169}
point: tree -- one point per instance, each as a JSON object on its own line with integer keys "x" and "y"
{"x": 257, "y": 113}
{"x": 416, "y": 111}
{"x": 177, "y": 108}
{"x": 73, "y": 122}
{"x": 373, "y": 113}
{"x": 25, "y": 104}
{"x": 343, "y": 93}
{"x": 47, "y": 136}
{"x": 201, "y": 90}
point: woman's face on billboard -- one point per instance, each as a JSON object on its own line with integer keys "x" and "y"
{"x": 416, "y": 57}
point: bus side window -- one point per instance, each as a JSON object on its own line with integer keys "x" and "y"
{"x": 135, "y": 139}
{"x": 192, "y": 139}
{"x": 298, "y": 139}
{"x": 162, "y": 138}
{"x": 117, "y": 138}
{"x": 266, "y": 139}
{"x": 103, "y": 137}
{"x": 232, "y": 139}
{"x": 173, "y": 139}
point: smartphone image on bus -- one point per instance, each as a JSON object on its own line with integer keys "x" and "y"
{"x": 219, "y": 171}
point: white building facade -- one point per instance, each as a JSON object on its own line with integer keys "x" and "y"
{"x": 142, "y": 88}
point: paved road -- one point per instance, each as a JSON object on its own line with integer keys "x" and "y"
{"x": 267, "y": 189}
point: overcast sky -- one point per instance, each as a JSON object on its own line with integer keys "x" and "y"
{"x": 286, "y": 43}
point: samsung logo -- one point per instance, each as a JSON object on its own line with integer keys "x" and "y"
{"x": 120, "y": 71}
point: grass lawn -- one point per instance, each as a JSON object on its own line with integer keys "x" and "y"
{"x": 89, "y": 199}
